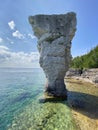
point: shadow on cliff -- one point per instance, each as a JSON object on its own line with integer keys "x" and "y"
{"x": 81, "y": 102}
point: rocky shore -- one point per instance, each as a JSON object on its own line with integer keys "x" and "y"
{"x": 83, "y": 99}
{"x": 89, "y": 75}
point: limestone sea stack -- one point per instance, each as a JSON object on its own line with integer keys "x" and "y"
{"x": 54, "y": 33}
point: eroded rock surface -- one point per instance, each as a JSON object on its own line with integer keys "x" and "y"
{"x": 54, "y": 33}
{"x": 89, "y": 75}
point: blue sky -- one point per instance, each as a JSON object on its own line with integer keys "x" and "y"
{"x": 18, "y": 45}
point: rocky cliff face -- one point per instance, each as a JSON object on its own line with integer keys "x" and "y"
{"x": 90, "y": 75}
{"x": 54, "y": 33}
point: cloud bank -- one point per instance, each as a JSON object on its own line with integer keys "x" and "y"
{"x": 18, "y": 59}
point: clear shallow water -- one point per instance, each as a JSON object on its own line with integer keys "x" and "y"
{"x": 19, "y": 105}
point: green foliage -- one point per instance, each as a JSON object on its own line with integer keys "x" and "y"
{"x": 89, "y": 60}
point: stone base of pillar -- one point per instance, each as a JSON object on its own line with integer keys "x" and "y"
{"x": 50, "y": 98}
{"x": 58, "y": 89}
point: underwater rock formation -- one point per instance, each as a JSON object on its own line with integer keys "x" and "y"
{"x": 54, "y": 33}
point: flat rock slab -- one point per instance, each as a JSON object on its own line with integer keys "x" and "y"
{"x": 45, "y": 99}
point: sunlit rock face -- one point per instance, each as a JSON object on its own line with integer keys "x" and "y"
{"x": 54, "y": 33}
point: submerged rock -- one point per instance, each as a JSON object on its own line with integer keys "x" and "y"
{"x": 54, "y": 33}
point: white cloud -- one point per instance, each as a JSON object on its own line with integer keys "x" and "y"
{"x": 17, "y": 34}
{"x": 11, "y": 25}
{"x": 31, "y": 36}
{"x": 18, "y": 59}
{"x": 1, "y": 40}
{"x": 3, "y": 48}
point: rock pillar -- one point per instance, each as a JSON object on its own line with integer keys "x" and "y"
{"x": 54, "y": 33}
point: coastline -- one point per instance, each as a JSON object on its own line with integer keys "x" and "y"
{"x": 87, "y": 75}
{"x": 83, "y": 99}
{"x": 80, "y": 78}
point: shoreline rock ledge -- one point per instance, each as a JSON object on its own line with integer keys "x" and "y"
{"x": 54, "y": 33}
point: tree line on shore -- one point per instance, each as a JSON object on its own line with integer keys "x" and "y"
{"x": 89, "y": 60}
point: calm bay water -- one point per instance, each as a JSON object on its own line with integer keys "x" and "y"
{"x": 19, "y": 105}
{"x": 18, "y": 87}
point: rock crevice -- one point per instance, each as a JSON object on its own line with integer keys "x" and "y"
{"x": 54, "y": 33}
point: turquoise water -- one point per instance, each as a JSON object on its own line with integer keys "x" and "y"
{"x": 20, "y": 109}
{"x": 18, "y": 88}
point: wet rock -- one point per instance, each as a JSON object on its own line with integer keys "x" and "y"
{"x": 49, "y": 98}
